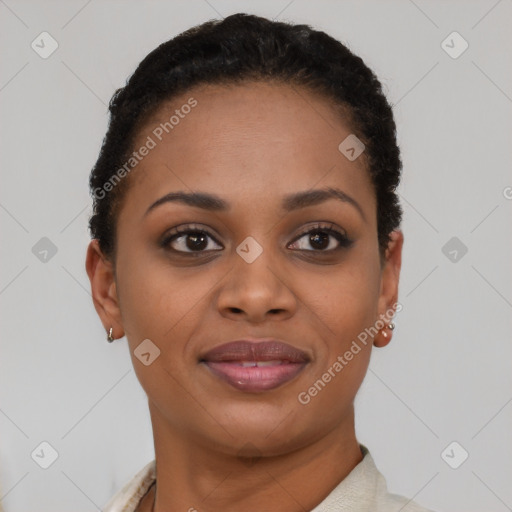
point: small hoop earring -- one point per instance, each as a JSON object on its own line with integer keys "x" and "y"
{"x": 110, "y": 338}
{"x": 391, "y": 326}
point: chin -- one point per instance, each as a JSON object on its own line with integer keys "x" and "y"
{"x": 270, "y": 434}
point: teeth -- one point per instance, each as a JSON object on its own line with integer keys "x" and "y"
{"x": 249, "y": 364}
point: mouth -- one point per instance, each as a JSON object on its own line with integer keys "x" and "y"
{"x": 255, "y": 366}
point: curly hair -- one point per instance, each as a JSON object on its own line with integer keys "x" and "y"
{"x": 240, "y": 48}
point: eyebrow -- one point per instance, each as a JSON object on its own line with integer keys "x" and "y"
{"x": 290, "y": 202}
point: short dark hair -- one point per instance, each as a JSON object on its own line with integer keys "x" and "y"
{"x": 240, "y": 48}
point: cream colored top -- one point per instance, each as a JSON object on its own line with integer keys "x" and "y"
{"x": 364, "y": 489}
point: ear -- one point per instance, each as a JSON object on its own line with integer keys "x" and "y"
{"x": 390, "y": 276}
{"x": 103, "y": 288}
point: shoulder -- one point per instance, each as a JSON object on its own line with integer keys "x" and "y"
{"x": 364, "y": 489}
{"x": 389, "y": 502}
{"x": 129, "y": 496}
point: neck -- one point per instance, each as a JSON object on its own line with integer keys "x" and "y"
{"x": 194, "y": 477}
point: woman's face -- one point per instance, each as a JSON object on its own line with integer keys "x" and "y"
{"x": 253, "y": 273}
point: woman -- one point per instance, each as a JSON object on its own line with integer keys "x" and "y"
{"x": 246, "y": 242}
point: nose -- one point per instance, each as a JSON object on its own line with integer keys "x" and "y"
{"x": 256, "y": 292}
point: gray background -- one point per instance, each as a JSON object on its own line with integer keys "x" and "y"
{"x": 446, "y": 375}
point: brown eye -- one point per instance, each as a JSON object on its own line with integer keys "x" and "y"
{"x": 322, "y": 239}
{"x": 189, "y": 241}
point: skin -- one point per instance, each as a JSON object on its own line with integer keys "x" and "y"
{"x": 251, "y": 144}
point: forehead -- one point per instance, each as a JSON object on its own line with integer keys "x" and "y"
{"x": 255, "y": 140}
{"x": 284, "y": 117}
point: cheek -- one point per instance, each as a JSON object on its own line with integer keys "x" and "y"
{"x": 346, "y": 299}
{"x": 342, "y": 314}
{"x": 155, "y": 306}
{"x": 344, "y": 305}
{"x": 160, "y": 302}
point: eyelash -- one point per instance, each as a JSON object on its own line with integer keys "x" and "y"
{"x": 343, "y": 240}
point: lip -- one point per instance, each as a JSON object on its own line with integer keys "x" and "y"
{"x": 238, "y": 363}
